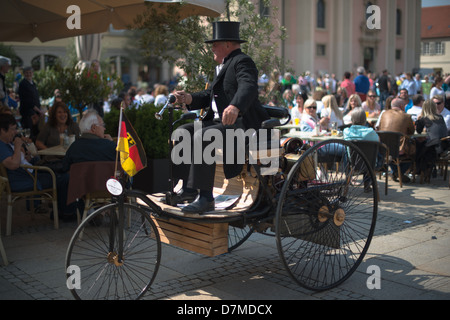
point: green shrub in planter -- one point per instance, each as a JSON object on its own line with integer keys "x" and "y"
{"x": 153, "y": 133}
{"x": 111, "y": 119}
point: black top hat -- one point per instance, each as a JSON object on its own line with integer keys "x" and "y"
{"x": 225, "y": 31}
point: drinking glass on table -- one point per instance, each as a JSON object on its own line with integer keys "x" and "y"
{"x": 334, "y": 129}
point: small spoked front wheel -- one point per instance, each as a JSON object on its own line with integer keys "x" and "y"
{"x": 113, "y": 255}
{"x": 326, "y": 214}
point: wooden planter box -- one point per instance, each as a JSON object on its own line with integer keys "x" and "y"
{"x": 210, "y": 239}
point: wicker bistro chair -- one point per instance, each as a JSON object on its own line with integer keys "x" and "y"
{"x": 34, "y": 194}
{"x": 392, "y": 140}
{"x": 444, "y": 158}
{"x": 3, "y": 183}
{"x": 88, "y": 182}
{"x": 371, "y": 149}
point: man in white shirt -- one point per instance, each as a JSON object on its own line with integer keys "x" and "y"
{"x": 445, "y": 113}
{"x": 416, "y": 109}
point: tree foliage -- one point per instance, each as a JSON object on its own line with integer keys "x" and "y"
{"x": 46, "y": 81}
{"x": 181, "y": 43}
{"x": 153, "y": 133}
{"x": 83, "y": 86}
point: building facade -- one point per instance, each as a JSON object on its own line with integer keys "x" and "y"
{"x": 113, "y": 51}
{"x": 435, "y": 47}
{"x": 334, "y": 36}
{"x": 324, "y": 36}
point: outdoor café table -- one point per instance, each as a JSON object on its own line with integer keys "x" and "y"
{"x": 289, "y": 126}
{"x": 311, "y": 136}
{"x": 58, "y": 150}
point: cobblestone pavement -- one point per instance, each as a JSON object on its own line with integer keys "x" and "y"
{"x": 411, "y": 247}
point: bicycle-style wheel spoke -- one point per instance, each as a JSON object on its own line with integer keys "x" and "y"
{"x": 103, "y": 274}
{"x": 325, "y": 219}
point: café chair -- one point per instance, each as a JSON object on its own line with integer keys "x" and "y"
{"x": 371, "y": 149}
{"x": 88, "y": 182}
{"x": 34, "y": 194}
{"x": 3, "y": 182}
{"x": 443, "y": 159}
{"x": 392, "y": 140}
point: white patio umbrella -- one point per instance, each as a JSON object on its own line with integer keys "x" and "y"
{"x": 23, "y": 20}
{"x": 88, "y": 47}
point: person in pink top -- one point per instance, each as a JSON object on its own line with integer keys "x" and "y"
{"x": 348, "y": 84}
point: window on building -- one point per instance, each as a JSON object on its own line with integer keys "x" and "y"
{"x": 121, "y": 66}
{"x": 16, "y": 62}
{"x": 432, "y": 48}
{"x": 321, "y": 14}
{"x": 264, "y": 10}
{"x": 398, "y": 26}
{"x": 321, "y": 50}
{"x": 425, "y": 48}
{"x": 439, "y": 48}
{"x": 48, "y": 60}
{"x": 398, "y": 54}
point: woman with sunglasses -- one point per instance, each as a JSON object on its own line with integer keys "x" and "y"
{"x": 371, "y": 105}
{"x": 442, "y": 110}
{"x": 309, "y": 120}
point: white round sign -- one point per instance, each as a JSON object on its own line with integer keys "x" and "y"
{"x": 114, "y": 187}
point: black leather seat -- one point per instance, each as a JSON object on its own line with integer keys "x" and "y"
{"x": 276, "y": 113}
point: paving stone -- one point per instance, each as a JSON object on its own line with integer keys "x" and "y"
{"x": 410, "y": 246}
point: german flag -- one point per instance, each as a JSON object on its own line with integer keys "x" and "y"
{"x": 132, "y": 154}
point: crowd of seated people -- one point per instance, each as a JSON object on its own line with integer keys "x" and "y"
{"x": 423, "y": 116}
{"x": 92, "y": 145}
{"x": 315, "y": 103}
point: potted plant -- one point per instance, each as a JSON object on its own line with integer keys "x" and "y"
{"x": 154, "y": 135}
{"x": 83, "y": 87}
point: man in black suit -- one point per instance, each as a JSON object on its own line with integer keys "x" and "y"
{"x": 232, "y": 103}
{"x": 29, "y": 98}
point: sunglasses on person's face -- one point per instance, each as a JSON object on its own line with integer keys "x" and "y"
{"x": 311, "y": 107}
{"x": 372, "y": 96}
{"x": 439, "y": 103}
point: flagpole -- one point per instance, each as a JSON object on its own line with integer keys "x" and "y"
{"x": 118, "y": 138}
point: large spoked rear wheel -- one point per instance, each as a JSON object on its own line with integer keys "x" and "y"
{"x": 94, "y": 252}
{"x": 326, "y": 214}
